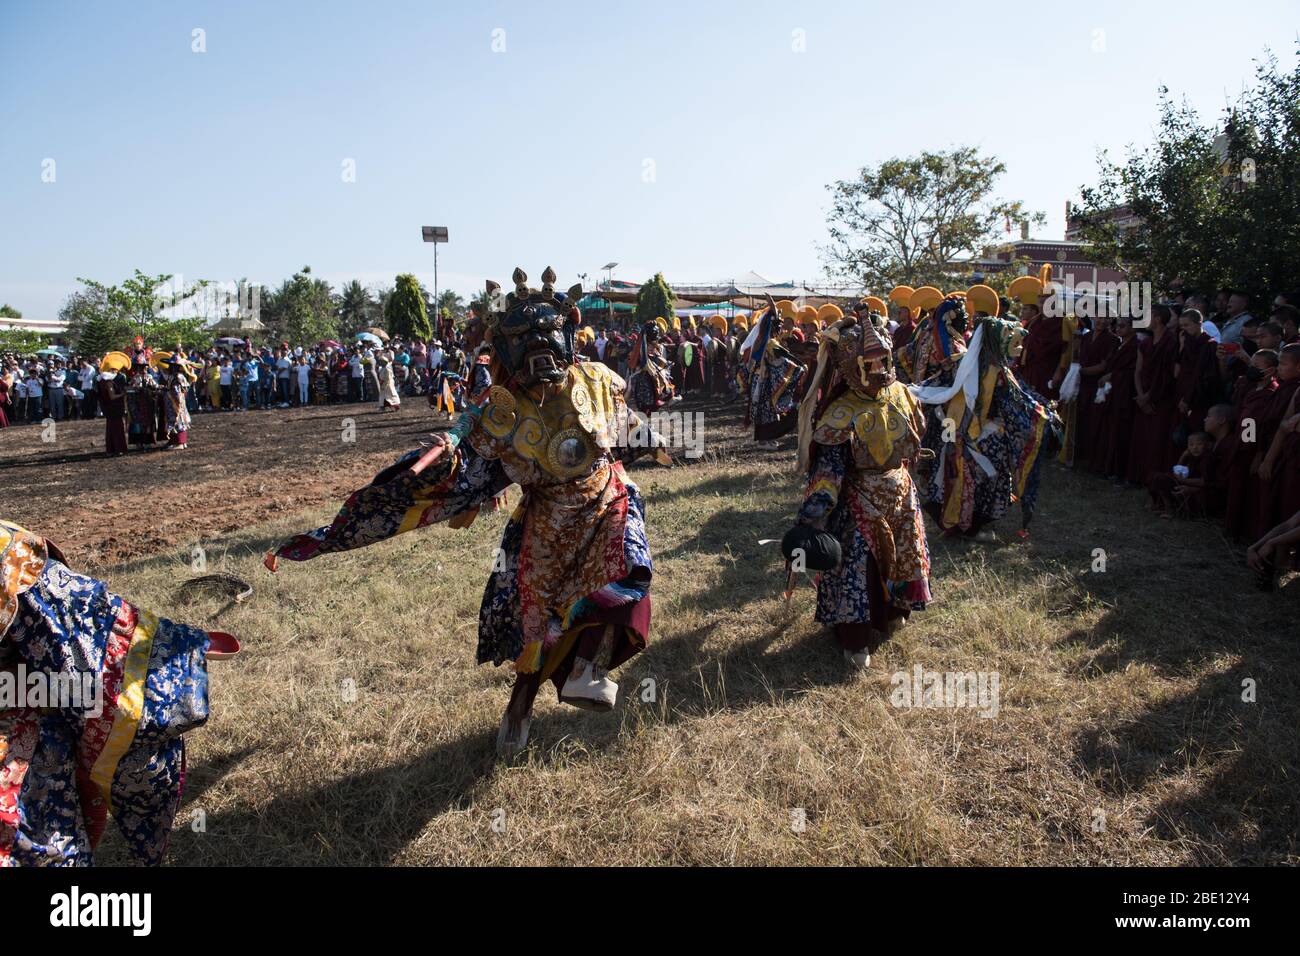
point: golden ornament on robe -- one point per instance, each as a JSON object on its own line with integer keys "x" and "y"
{"x": 569, "y": 453}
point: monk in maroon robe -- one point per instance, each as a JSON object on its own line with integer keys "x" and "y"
{"x": 906, "y": 327}
{"x": 1279, "y": 472}
{"x": 4, "y": 402}
{"x": 1045, "y": 357}
{"x": 1198, "y": 382}
{"x": 673, "y": 350}
{"x": 112, "y": 399}
{"x": 1120, "y": 407}
{"x": 1199, "y": 489}
{"x": 1251, "y": 400}
{"x": 1153, "y": 449}
{"x": 719, "y": 366}
{"x": 1095, "y": 351}
{"x": 691, "y": 356}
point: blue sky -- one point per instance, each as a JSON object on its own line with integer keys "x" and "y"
{"x": 229, "y": 163}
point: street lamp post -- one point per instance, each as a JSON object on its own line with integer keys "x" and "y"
{"x": 435, "y": 234}
{"x": 609, "y": 288}
{"x": 608, "y": 269}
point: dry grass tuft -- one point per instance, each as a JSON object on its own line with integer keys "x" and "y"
{"x": 1121, "y": 738}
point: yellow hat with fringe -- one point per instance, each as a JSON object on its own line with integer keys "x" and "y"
{"x": 876, "y": 304}
{"x": 115, "y": 362}
{"x": 1026, "y": 289}
{"x": 828, "y": 313}
{"x": 926, "y": 297}
{"x": 981, "y": 298}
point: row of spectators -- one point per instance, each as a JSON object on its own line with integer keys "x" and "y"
{"x": 231, "y": 378}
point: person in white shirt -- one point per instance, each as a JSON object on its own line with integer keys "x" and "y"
{"x": 86, "y": 378}
{"x": 282, "y": 365}
{"x": 357, "y": 372}
{"x": 303, "y": 371}
{"x": 54, "y": 389}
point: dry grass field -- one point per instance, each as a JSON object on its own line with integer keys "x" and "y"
{"x": 1121, "y": 738}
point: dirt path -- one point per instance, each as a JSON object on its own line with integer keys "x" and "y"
{"x": 240, "y": 468}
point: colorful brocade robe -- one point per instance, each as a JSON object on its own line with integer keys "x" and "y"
{"x": 774, "y": 398}
{"x": 574, "y": 549}
{"x": 933, "y": 350}
{"x": 988, "y": 455}
{"x": 650, "y": 386}
{"x": 859, "y": 490}
{"x": 128, "y": 685}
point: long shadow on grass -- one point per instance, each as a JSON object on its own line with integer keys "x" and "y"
{"x": 371, "y": 816}
{"x": 692, "y": 683}
{"x": 1232, "y": 767}
{"x": 1246, "y": 811}
{"x": 366, "y": 818}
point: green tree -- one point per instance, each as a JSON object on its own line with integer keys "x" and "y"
{"x": 908, "y": 221}
{"x": 92, "y": 326}
{"x": 357, "y": 309}
{"x": 193, "y": 333}
{"x": 7, "y": 311}
{"x": 654, "y": 300}
{"x": 453, "y": 304}
{"x": 302, "y": 310}
{"x": 404, "y": 312}
{"x": 140, "y": 299}
{"x": 23, "y": 341}
{"x": 1214, "y": 204}
{"x": 103, "y": 317}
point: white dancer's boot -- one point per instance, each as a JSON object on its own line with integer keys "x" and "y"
{"x": 509, "y": 744}
{"x": 859, "y": 659}
{"x": 589, "y": 687}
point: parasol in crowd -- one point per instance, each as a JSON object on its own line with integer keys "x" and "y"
{"x": 329, "y": 344}
{"x": 50, "y": 353}
{"x": 229, "y": 340}
{"x": 378, "y": 333}
{"x": 369, "y": 337}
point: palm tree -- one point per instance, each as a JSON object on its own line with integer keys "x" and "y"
{"x": 449, "y": 301}
{"x": 356, "y": 308}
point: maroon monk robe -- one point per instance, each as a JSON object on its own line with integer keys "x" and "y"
{"x": 1241, "y": 508}
{"x": 903, "y": 333}
{"x": 1089, "y": 441}
{"x": 1285, "y": 485}
{"x": 717, "y": 359}
{"x": 1198, "y": 378}
{"x": 1119, "y": 409}
{"x": 1153, "y": 447}
{"x": 672, "y": 348}
{"x": 1041, "y": 358}
{"x": 112, "y": 399}
{"x": 692, "y": 374}
{"x": 1209, "y": 500}
{"x": 1273, "y": 491}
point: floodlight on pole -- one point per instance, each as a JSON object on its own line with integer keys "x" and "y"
{"x": 435, "y": 234}
{"x": 609, "y": 268}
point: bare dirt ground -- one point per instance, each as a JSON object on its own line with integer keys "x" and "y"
{"x": 1147, "y": 714}
{"x": 241, "y": 468}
